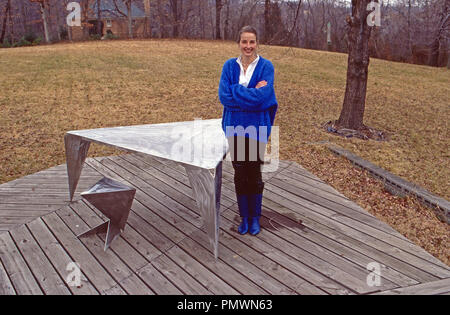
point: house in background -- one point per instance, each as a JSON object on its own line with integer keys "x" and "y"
{"x": 113, "y": 19}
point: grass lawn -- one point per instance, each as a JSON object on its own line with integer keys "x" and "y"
{"x": 48, "y": 90}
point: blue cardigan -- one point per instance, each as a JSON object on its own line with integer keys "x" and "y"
{"x": 248, "y": 107}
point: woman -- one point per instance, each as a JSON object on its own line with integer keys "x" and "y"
{"x": 246, "y": 91}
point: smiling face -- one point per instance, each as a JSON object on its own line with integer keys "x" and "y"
{"x": 248, "y": 44}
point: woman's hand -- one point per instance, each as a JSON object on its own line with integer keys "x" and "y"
{"x": 261, "y": 84}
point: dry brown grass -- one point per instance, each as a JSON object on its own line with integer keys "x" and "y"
{"x": 48, "y": 90}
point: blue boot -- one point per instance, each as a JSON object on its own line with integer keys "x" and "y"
{"x": 255, "y": 201}
{"x": 244, "y": 211}
{"x": 255, "y": 227}
{"x": 243, "y": 227}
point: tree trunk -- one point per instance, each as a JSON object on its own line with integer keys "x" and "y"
{"x": 56, "y": 17}
{"x": 11, "y": 24}
{"x": 434, "y": 56}
{"x": 99, "y": 17}
{"x": 443, "y": 26}
{"x": 160, "y": 19}
{"x": 44, "y": 21}
{"x": 7, "y": 12}
{"x": 212, "y": 22}
{"x": 175, "y": 18}
{"x": 85, "y": 18}
{"x": 218, "y": 12}
{"x": 147, "y": 27}
{"x": 130, "y": 19}
{"x": 409, "y": 31}
{"x": 226, "y": 31}
{"x": 24, "y": 18}
{"x": 267, "y": 28}
{"x": 357, "y": 69}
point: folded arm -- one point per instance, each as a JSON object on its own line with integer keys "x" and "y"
{"x": 254, "y": 98}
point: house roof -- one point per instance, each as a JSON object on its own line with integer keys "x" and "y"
{"x": 108, "y": 9}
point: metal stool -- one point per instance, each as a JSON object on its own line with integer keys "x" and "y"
{"x": 114, "y": 200}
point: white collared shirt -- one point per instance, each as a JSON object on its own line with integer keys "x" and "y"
{"x": 245, "y": 77}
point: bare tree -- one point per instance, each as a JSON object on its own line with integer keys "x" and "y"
{"x": 218, "y": 12}
{"x": 53, "y": 19}
{"x": 175, "y": 17}
{"x": 290, "y": 39}
{"x": 24, "y": 17}
{"x": 441, "y": 30}
{"x": 267, "y": 26}
{"x": 99, "y": 17}
{"x": 352, "y": 113}
{"x": 128, "y": 4}
{"x": 201, "y": 12}
{"x": 43, "y": 8}
{"x": 128, "y": 14}
{"x": 226, "y": 30}
{"x": 147, "y": 27}
{"x": 5, "y": 17}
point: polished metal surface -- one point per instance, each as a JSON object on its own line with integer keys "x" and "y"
{"x": 114, "y": 200}
{"x": 207, "y": 190}
{"x": 76, "y": 152}
{"x": 199, "y": 145}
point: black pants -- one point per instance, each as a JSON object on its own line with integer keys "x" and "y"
{"x": 247, "y": 156}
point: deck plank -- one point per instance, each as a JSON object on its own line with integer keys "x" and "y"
{"x": 133, "y": 259}
{"x": 96, "y": 274}
{"x": 109, "y": 260}
{"x": 157, "y": 281}
{"x": 279, "y": 217}
{"x": 206, "y": 277}
{"x": 381, "y": 251}
{"x": 22, "y": 213}
{"x": 235, "y": 279}
{"x": 319, "y": 258}
{"x": 277, "y": 255}
{"x": 252, "y": 272}
{"x": 335, "y": 204}
{"x": 22, "y": 208}
{"x": 134, "y": 286}
{"x": 59, "y": 258}
{"x": 312, "y": 183}
{"x": 182, "y": 280}
{"x": 19, "y": 274}
{"x": 238, "y": 245}
{"x": 311, "y": 189}
{"x": 378, "y": 239}
{"x": 6, "y": 287}
{"x": 440, "y": 287}
{"x": 49, "y": 280}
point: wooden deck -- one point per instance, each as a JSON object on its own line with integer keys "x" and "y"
{"x": 314, "y": 240}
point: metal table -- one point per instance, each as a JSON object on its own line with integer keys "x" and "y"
{"x": 199, "y": 145}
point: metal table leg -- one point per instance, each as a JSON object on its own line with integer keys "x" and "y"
{"x": 207, "y": 190}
